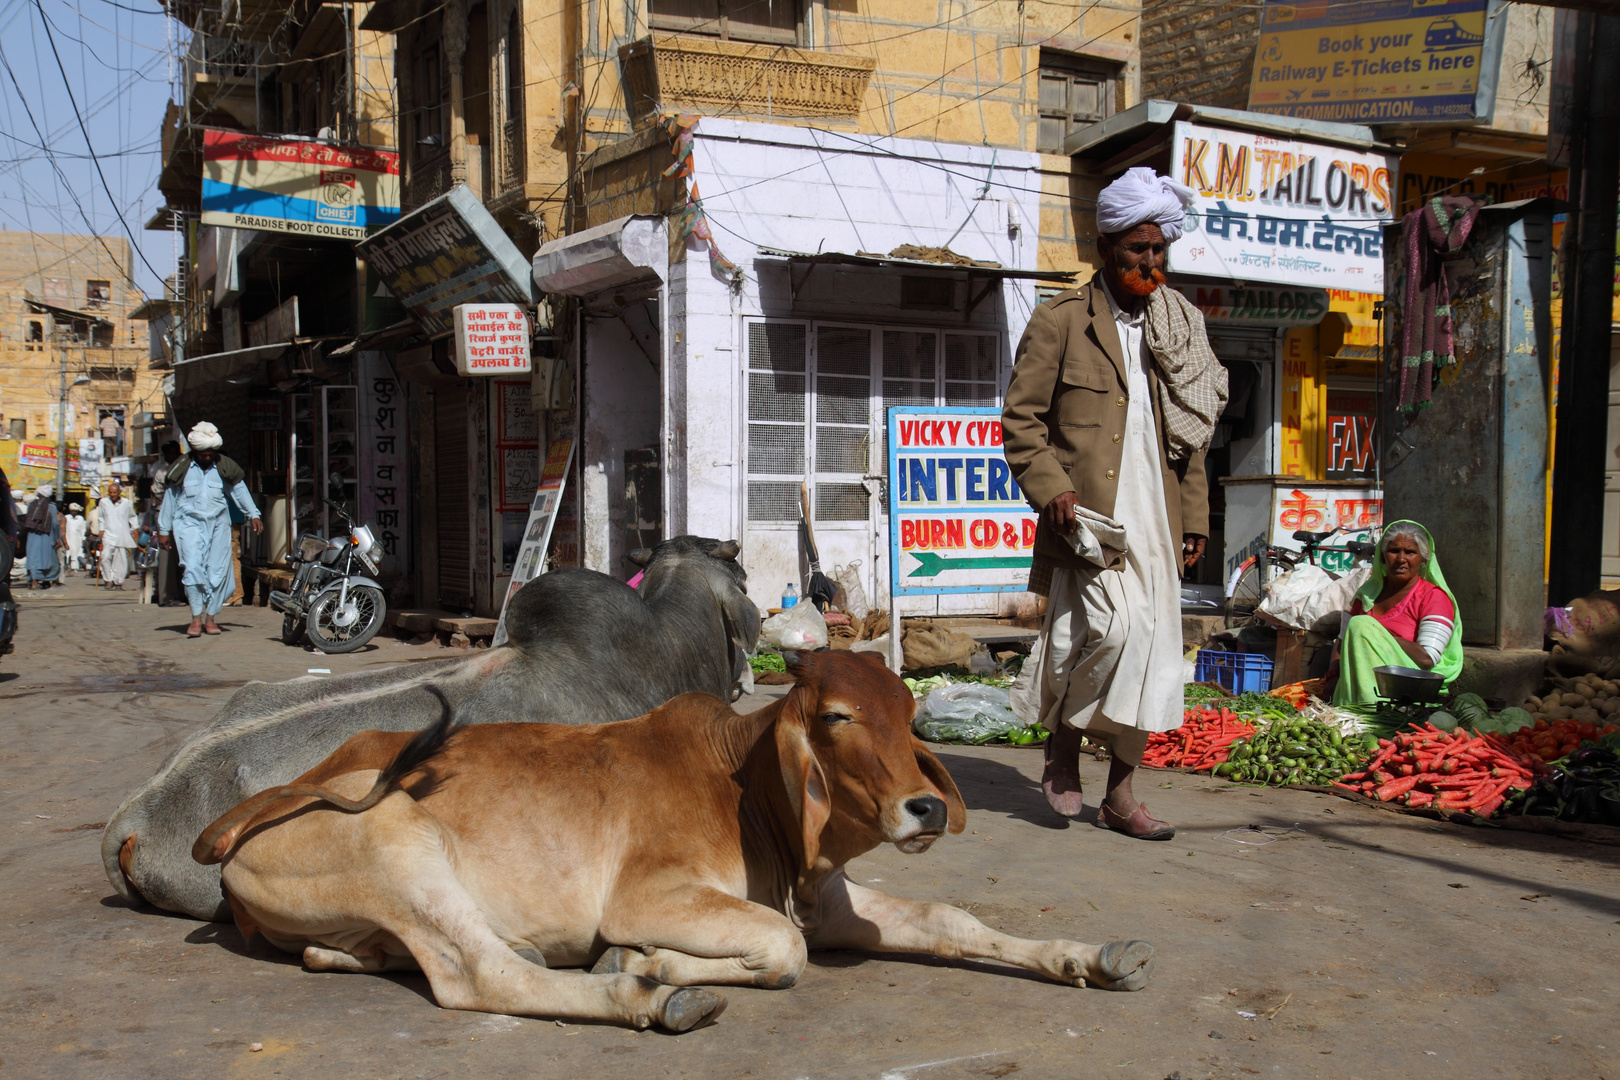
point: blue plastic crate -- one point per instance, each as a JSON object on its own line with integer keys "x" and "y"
{"x": 1238, "y": 672}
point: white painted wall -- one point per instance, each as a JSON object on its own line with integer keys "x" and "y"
{"x": 805, "y": 189}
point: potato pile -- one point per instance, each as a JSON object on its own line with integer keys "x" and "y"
{"x": 1586, "y": 699}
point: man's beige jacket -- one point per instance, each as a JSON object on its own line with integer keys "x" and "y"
{"x": 1064, "y": 422}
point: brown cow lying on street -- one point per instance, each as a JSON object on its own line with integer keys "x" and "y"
{"x": 692, "y": 845}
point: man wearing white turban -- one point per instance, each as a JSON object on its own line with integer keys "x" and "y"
{"x": 196, "y": 514}
{"x": 1113, "y": 401}
{"x": 43, "y": 524}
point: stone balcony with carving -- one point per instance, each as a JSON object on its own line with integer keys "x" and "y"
{"x": 684, "y": 73}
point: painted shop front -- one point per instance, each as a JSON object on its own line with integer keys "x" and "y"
{"x": 737, "y": 358}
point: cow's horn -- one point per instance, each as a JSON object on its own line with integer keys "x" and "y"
{"x": 728, "y": 549}
{"x": 641, "y": 557}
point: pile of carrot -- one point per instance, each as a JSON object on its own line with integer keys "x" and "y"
{"x": 1455, "y": 771}
{"x": 1203, "y": 741}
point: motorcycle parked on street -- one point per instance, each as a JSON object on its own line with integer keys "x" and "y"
{"x": 335, "y": 601}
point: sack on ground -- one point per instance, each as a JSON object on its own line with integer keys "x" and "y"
{"x": 1306, "y": 594}
{"x": 798, "y": 627}
{"x": 964, "y": 713}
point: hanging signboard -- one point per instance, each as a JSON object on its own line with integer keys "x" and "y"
{"x": 43, "y": 456}
{"x": 285, "y": 184}
{"x": 491, "y": 339}
{"x": 385, "y": 489}
{"x": 1281, "y": 210}
{"x": 449, "y": 252}
{"x": 531, "y": 557}
{"x": 958, "y": 522}
{"x": 1377, "y": 61}
{"x": 1267, "y": 307}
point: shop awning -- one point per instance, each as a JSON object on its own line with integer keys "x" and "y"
{"x": 239, "y": 367}
{"x": 973, "y": 269}
{"x": 371, "y": 339}
{"x": 1129, "y": 137}
{"x": 617, "y": 253}
{"x": 989, "y": 274}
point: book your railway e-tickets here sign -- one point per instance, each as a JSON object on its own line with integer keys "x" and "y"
{"x": 303, "y": 186}
{"x": 1378, "y": 61}
{"x": 958, "y": 522}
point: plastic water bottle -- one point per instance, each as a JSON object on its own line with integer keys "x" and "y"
{"x": 790, "y": 595}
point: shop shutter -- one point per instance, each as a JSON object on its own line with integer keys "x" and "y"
{"x": 843, "y": 431}
{"x": 451, "y": 497}
{"x": 777, "y": 387}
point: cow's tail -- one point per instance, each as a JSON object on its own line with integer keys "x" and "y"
{"x": 220, "y": 838}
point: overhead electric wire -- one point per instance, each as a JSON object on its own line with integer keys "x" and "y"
{"x": 119, "y": 213}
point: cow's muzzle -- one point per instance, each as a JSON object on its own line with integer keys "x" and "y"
{"x": 923, "y": 819}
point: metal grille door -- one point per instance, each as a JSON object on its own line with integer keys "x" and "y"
{"x": 778, "y": 385}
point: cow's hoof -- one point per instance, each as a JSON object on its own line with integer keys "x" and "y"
{"x": 532, "y": 955}
{"x": 690, "y": 1008}
{"x": 618, "y": 960}
{"x": 1124, "y": 965}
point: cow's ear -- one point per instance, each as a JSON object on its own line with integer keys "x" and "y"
{"x": 933, "y": 771}
{"x": 728, "y": 549}
{"x": 641, "y": 557}
{"x": 806, "y": 784}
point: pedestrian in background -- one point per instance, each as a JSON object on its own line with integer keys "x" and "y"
{"x": 117, "y": 519}
{"x": 196, "y": 519}
{"x": 1112, "y": 403}
{"x": 73, "y": 534}
{"x": 169, "y": 590}
{"x": 44, "y": 525}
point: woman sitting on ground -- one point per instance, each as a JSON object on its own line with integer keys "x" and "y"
{"x": 1404, "y": 616}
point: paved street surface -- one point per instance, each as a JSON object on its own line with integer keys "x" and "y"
{"x": 1346, "y": 942}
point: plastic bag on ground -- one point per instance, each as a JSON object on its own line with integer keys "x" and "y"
{"x": 965, "y": 713}
{"x": 798, "y": 627}
{"x": 851, "y": 596}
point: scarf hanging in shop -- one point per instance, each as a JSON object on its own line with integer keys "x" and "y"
{"x": 1430, "y": 234}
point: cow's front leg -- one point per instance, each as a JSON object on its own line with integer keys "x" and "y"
{"x": 855, "y": 917}
{"x": 694, "y": 934}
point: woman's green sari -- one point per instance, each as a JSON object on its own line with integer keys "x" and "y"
{"x": 1367, "y": 645}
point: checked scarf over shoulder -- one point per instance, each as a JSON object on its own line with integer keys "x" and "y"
{"x": 1192, "y": 382}
{"x": 1430, "y": 234}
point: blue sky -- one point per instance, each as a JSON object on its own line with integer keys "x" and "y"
{"x": 116, "y": 59}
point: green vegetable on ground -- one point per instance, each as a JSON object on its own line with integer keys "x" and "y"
{"x": 767, "y": 661}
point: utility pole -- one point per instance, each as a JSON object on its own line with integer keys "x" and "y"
{"x": 61, "y": 421}
{"x": 1581, "y": 449}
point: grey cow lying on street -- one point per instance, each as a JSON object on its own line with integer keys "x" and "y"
{"x": 585, "y": 649}
{"x": 690, "y": 846}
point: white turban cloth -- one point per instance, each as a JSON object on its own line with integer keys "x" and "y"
{"x": 1140, "y": 196}
{"x": 45, "y": 491}
{"x": 205, "y": 436}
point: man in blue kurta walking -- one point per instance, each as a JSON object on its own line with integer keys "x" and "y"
{"x": 43, "y": 524}
{"x": 197, "y": 516}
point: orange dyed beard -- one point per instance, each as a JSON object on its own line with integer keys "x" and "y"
{"x": 1138, "y": 283}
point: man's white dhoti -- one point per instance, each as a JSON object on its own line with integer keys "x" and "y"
{"x": 1109, "y": 657}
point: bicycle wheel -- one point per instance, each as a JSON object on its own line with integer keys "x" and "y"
{"x": 1249, "y": 589}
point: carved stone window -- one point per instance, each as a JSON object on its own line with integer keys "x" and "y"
{"x": 731, "y": 20}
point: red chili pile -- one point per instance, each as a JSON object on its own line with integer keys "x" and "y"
{"x": 1203, "y": 741}
{"x": 1429, "y": 767}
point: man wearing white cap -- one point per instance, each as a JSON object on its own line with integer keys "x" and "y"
{"x": 196, "y": 514}
{"x": 1113, "y": 401}
{"x": 43, "y": 524}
